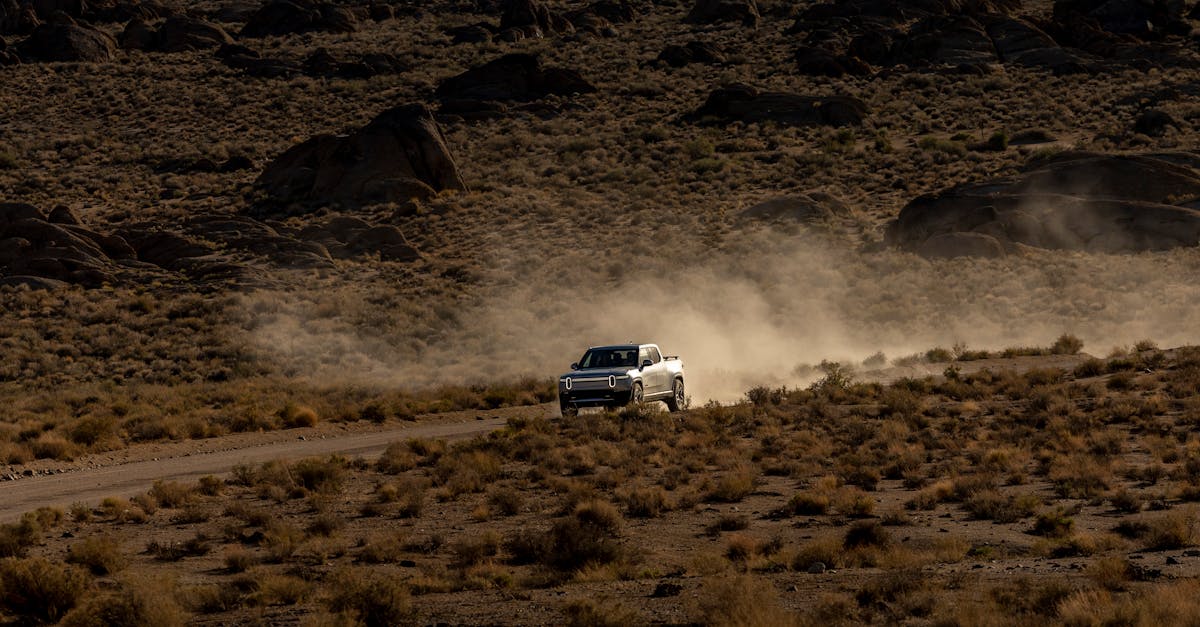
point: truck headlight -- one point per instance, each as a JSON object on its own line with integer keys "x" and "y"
{"x": 612, "y": 381}
{"x": 567, "y": 383}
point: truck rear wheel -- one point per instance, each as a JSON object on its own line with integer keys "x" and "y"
{"x": 678, "y": 399}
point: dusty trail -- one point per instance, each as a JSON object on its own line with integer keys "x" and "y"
{"x": 93, "y": 479}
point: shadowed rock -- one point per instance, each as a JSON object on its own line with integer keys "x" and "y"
{"x": 178, "y": 34}
{"x": 68, "y": 42}
{"x": 512, "y": 77}
{"x": 399, "y": 155}
{"x": 287, "y": 17}
{"x": 1079, "y": 201}
{"x": 747, "y": 104}
{"x": 532, "y": 19}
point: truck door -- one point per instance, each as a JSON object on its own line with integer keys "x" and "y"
{"x": 662, "y": 375}
{"x": 653, "y": 376}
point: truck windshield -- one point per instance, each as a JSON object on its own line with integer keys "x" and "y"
{"x": 609, "y": 358}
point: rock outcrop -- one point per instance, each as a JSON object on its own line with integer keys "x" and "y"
{"x": 1078, "y": 201}
{"x": 67, "y": 42}
{"x": 747, "y": 104}
{"x": 399, "y": 155}
{"x": 289, "y": 17}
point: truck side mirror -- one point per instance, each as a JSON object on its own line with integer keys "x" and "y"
{"x": 646, "y": 363}
{"x": 574, "y": 366}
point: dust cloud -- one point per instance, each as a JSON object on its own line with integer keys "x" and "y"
{"x": 756, "y": 312}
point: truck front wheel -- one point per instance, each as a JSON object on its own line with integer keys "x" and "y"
{"x": 635, "y": 395}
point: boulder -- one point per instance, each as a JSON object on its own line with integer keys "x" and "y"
{"x": 533, "y": 18}
{"x": 1154, "y": 122}
{"x": 471, "y": 33}
{"x": 63, "y": 215}
{"x": 179, "y": 34}
{"x": 512, "y": 77}
{"x": 1079, "y": 201}
{"x": 401, "y": 154}
{"x": 713, "y": 11}
{"x": 68, "y": 42}
{"x": 137, "y": 35}
{"x": 747, "y": 104}
{"x": 288, "y": 17}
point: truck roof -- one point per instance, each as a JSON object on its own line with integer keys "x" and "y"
{"x": 619, "y": 346}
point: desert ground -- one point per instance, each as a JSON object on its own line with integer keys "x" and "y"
{"x": 285, "y": 287}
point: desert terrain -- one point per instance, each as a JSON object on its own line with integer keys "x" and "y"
{"x": 285, "y": 286}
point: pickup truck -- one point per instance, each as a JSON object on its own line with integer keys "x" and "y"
{"x": 613, "y": 376}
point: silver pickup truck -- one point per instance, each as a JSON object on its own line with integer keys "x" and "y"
{"x": 612, "y": 376}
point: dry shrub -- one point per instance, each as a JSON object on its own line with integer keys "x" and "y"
{"x": 808, "y": 503}
{"x": 740, "y": 547}
{"x": 53, "y": 446}
{"x": 586, "y": 612}
{"x": 734, "y": 485}
{"x": 322, "y": 475}
{"x": 174, "y": 551}
{"x": 99, "y": 554}
{"x": 37, "y": 590}
{"x": 371, "y": 600}
{"x": 852, "y": 501}
{"x": 1127, "y": 501}
{"x": 466, "y": 471}
{"x": 1053, "y": 524}
{"x": 1110, "y": 573}
{"x": 1079, "y": 476}
{"x": 172, "y": 493}
{"x": 209, "y": 485}
{"x": 728, "y": 522}
{"x": 587, "y": 537}
{"x": 281, "y": 540}
{"x": 646, "y": 502}
{"x": 1173, "y": 530}
{"x": 398, "y": 457}
{"x": 386, "y": 548}
{"x": 142, "y": 602}
{"x": 325, "y": 524}
{"x": 238, "y": 559}
{"x": 407, "y": 493}
{"x": 120, "y": 510}
{"x": 505, "y": 500}
{"x": 213, "y": 598}
{"x": 828, "y": 551}
{"x": 277, "y": 589}
{"x": 902, "y": 592}
{"x": 741, "y": 601}
{"x": 866, "y": 533}
{"x": 1025, "y": 597}
{"x": 1002, "y": 508}
{"x": 293, "y": 416}
{"x": 473, "y": 550}
{"x": 15, "y": 539}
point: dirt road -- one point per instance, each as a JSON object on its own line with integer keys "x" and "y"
{"x": 94, "y": 478}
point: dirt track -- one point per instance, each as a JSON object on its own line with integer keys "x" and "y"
{"x": 98, "y": 477}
